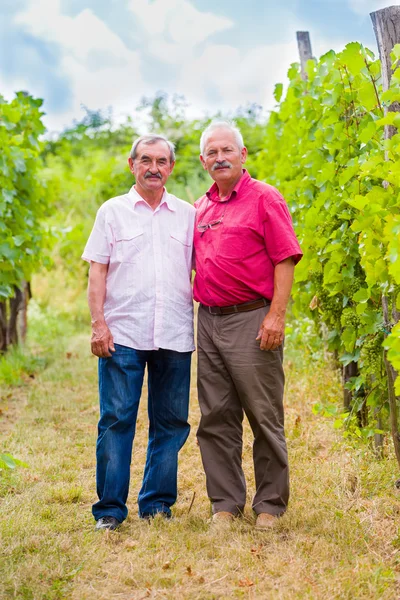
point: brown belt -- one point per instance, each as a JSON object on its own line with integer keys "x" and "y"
{"x": 237, "y": 308}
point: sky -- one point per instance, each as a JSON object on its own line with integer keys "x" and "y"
{"x": 104, "y": 54}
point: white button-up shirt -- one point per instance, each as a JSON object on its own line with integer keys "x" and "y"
{"x": 148, "y": 302}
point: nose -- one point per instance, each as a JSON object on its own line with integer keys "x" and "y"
{"x": 153, "y": 167}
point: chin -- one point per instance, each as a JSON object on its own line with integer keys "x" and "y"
{"x": 155, "y": 184}
{"x": 222, "y": 175}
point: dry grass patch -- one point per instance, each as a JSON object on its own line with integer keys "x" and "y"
{"x": 339, "y": 539}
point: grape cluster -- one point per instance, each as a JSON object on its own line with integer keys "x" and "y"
{"x": 350, "y": 318}
{"x": 331, "y": 305}
{"x": 371, "y": 354}
{"x": 354, "y": 286}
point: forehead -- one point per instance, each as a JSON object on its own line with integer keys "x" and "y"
{"x": 158, "y": 149}
{"x": 221, "y": 137}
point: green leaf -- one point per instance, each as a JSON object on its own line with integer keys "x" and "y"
{"x": 278, "y": 91}
{"x": 396, "y": 52}
{"x": 7, "y": 461}
{"x": 362, "y": 295}
{"x": 388, "y": 119}
{"x": 10, "y": 114}
{"x": 8, "y": 195}
{"x": 367, "y": 96}
{"x": 352, "y": 58}
{"x": 347, "y": 358}
{"x": 10, "y": 462}
{"x": 347, "y": 174}
{"x": 367, "y": 133}
{"x": 349, "y": 336}
{"x": 19, "y": 240}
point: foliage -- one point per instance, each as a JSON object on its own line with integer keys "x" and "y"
{"x": 19, "y": 364}
{"x": 23, "y": 201}
{"x": 49, "y": 331}
{"x": 8, "y": 462}
{"x": 325, "y": 150}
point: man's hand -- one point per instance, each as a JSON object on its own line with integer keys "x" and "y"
{"x": 272, "y": 331}
{"x": 102, "y": 342}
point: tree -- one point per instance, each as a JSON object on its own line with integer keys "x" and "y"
{"x": 23, "y": 204}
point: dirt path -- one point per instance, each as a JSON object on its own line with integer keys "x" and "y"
{"x": 338, "y": 540}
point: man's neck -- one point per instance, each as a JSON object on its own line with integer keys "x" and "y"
{"x": 224, "y": 191}
{"x": 153, "y": 199}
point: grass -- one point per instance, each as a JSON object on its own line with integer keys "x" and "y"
{"x": 338, "y": 540}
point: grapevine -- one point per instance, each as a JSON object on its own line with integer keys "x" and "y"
{"x": 325, "y": 151}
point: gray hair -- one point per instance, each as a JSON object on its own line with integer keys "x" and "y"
{"x": 221, "y": 125}
{"x": 152, "y": 138}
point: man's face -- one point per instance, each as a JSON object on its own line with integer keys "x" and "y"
{"x": 152, "y": 165}
{"x": 222, "y": 158}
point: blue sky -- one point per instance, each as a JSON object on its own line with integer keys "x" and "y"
{"x": 111, "y": 53}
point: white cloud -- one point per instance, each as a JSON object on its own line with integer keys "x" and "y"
{"x": 364, "y": 7}
{"x": 180, "y": 21}
{"x": 174, "y": 29}
{"x": 84, "y": 41}
{"x": 103, "y": 71}
{"x": 237, "y": 78}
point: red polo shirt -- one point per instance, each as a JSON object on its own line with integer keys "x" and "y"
{"x": 235, "y": 259}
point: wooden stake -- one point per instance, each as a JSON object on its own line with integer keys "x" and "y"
{"x": 305, "y": 52}
{"x": 386, "y": 23}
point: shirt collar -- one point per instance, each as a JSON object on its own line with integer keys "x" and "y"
{"x": 167, "y": 199}
{"x": 213, "y": 192}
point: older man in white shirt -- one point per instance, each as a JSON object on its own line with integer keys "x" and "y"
{"x": 140, "y": 300}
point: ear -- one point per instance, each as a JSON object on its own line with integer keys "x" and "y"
{"x": 171, "y": 167}
{"x": 203, "y": 162}
{"x": 131, "y": 165}
{"x": 243, "y": 155}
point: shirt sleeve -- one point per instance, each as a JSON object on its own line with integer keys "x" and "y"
{"x": 280, "y": 238}
{"x": 99, "y": 245}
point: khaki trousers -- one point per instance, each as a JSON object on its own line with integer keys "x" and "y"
{"x": 236, "y": 377}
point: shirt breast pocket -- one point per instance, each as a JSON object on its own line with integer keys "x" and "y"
{"x": 179, "y": 248}
{"x": 129, "y": 245}
{"x": 232, "y": 243}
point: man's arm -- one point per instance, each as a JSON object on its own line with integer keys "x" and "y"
{"x": 102, "y": 341}
{"x": 272, "y": 330}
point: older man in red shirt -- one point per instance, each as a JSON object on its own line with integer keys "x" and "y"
{"x": 245, "y": 250}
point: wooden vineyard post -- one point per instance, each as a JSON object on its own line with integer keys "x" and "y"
{"x": 305, "y": 52}
{"x": 3, "y": 326}
{"x": 386, "y": 23}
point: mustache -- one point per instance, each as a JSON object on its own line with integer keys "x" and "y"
{"x": 149, "y": 174}
{"x": 223, "y": 163}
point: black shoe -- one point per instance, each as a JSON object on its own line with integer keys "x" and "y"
{"x": 150, "y": 516}
{"x": 107, "y": 523}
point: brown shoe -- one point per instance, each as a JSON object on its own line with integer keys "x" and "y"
{"x": 222, "y": 518}
{"x": 265, "y": 521}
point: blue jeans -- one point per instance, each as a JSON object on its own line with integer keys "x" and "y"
{"x": 120, "y": 387}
